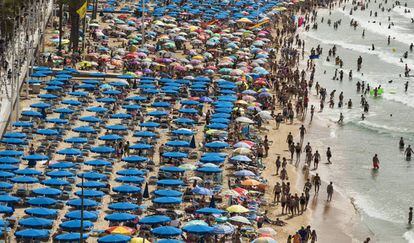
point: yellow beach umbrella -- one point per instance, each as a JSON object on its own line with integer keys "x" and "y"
{"x": 244, "y": 20}
{"x": 237, "y": 209}
{"x": 139, "y": 240}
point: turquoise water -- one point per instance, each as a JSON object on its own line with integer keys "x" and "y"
{"x": 382, "y": 198}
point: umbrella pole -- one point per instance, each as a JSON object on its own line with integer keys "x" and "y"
{"x": 143, "y": 23}
{"x": 81, "y": 223}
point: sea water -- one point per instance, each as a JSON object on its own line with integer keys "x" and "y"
{"x": 383, "y": 197}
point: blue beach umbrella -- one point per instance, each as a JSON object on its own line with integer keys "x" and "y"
{"x": 32, "y": 234}
{"x": 41, "y": 212}
{"x": 24, "y": 180}
{"x": 95, "y": 176}
{"x": 110, "y": 137}
{"x": 91, "y": 119}
{"x": 166, "y": 231}
{"x": 134, "y": 159}
{"x": 5, "y": 185}
{"x": 140, "y": 146}
{"x": 47, "y": 132}
{"x": 70, "y": 237}
{"x": 77, "y": 203}
{"x": 172, "y": 169}
{"x": 84, "y": 129}
{"x": 123, "y": 206}
{"x": 15, "y": 135}
{"x": 77, "y": 214}
{"x": 9, "y": 160}
{"x": 6, "y": 198}
{"x": 198, "y": 229}
{"x": 28, "y": 172}
{"x": 130, "y": 172}
{"x": 145, "y": 134}
{"x": 168, "y": 193}
{"x": 210, "y": 211}
{"x": 61, "y": 165}
{"x": 42, "y": 201}
{"x": 34, "y": 222}
{"x": 169, "y": 182}
{"x": 57, "y": 121}
{"x": 22, "y": 124}
{"x": 120, "y": 217}
{"x": 76, "y": 140}
{"x": 130, "y": 179}
{"x": 75, "y": 225}
{"x": 98, "y": 163}
{"x": 175, "y": 155}
{"x": 114, "y": 238}
{"x": 209, "y": 169}
{"x": 154, "y": 219}
{"x": 126, "y": 189}
{"x": 90, "y": 193}
{"x": 70, "y": 151}
{"x": 47, "y": 191}
{"x": 102, "y": 150}
{"x": 55, "y": 182}
{"x": 91, "y": 184}
{"x": 117, "y": 127}
{"x": 167, "y": 200}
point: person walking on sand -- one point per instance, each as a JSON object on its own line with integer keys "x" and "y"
{"x": 410, "y": 215}
{"x": 375, "y": 162}
{"x": 298, "y": 150}
{"x": 316, "y": 159}
{"x": 302, "y": 133}
{"x": 316, "y": 182}
{"x": 408, "y": 152}
{"x": 329, "y": 155}
{"x": 314, "y": 236}
{"x": 278, "y": 164}
{"x": 330, "y": 191}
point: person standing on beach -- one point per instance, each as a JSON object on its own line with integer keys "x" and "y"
{"x": 375, "y": 162}
{"x": 329, "y": 155}
{"x": 298, "y": 150}
{"x": 330, "y": 191}
{"x": 410, "y": 215}
{"x": 277, "y": 190}
{"x": 312, "y": 111}
{"x": 278, "y": 164}
{"x": 289, "y": 139}
{"x": 292, "y": 151}
{"x": 302, "y": 133}
{"x": 316, "y": 182}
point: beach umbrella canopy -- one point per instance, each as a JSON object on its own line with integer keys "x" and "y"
{"x": 98, "y": 163}
{"x": 32, "y": 234}
{"x": 123, "y": 230}
{"x": 167, "y": 200}
{"x": 168, "y": 193}
{"x": 70, "y": 151}
{"x": 28, "y": 172}
{"x": 47, "y": 191}
{"x": 57, "y": 121}
{"x": 209, "y": 169}
{"x": 77, "y": 215}
{"x": 175, "y": 155}
{"x": 75, "y": 225}
{"x": 97, "y": 109}
{"x": 6, "y": 209}
{"x": 6, "y": 198}
{"x": 244, "y": 173}
{"x": 77, "y": 203}
{"x": 15, "y": 135}
{"x": 5, "y": 174}
{"x": 15, "y": 141}
{"x": 237, "y": 209}
{"x": 55, "y": 182}
{"x": 74, "y": 140}
{"x": 140, "y": 146}
{"x": 123, "y": 206}
{"x": 11, "y": 153}
{"x": 61, "y": 165}
{"x": 130, "y": 179}
{"x": 84, "y": 129}
{"x": 166, "y": 231}
{"x": 210, "y": 211}
{"x": 24, "y": 180}
{"x": 198, "y": 229}
{"x": 172, "y": 169}
{"x": 70, "y": 237}
{"x": 169, "y": 241}
{"x": 47, "y": 132}
{"x": 130, "y": 172}
{"x": 266, "y": 231}
{"x": 117, "y": 127}
{"x": 102, "y": 150}
{"x": 114, "y": 238}
{"x": 95, "y": 176}
{"x": 223, "y": 229}
{"x": 34, "y": 222}
{"x": 145, "y": 134}
{"x": 126, "y": 189}
{"x": 134, "y": 159}
{"x": 201, "y": 191}
{"x": 120, "y": 217}
{"x": 90, "y": 193}
{"x": 154, "y": 219}
{"x": 91, "y": 119}
{"x": 8, "y": 167}
{"x": 241, "y": 158}
{"x": 42, "y": 201}
{"x": 177, "y": 143}
{"x": 240, "y": 219}
{"x": 169, "y": 182}
{"x": 183, "y": 131}
{"x": 22, "y": 124}
{"x": 41, "y": 212}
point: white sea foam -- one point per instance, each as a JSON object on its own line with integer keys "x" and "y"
{"x": 400, "y": 10}
{"x": 381, "y": 29}
{"x": 409, "y": 236}
{"x": 384, "y": 55}
{"x": 381, "y": 128}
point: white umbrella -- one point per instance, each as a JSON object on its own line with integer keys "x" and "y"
{"x": 240, "y": 219}
{"x": 243, "y": 119}
{"x": 265, "y": 115}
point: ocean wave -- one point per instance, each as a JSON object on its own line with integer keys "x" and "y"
{"x": 409, "y": 236}
{"x": 383, "y": 55}
{"x": 400, "y": 10}
{"x": 365, "y": 205}
{"x": 381, "y": 29}
{"x": 405, "y": 100}
{"x": 379, "y": 128}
